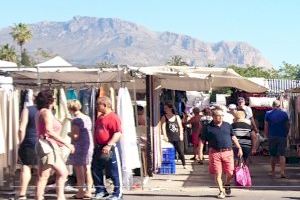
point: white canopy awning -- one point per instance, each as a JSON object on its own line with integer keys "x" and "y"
{"x": 55, "y": 64}
{"x": 200, "y": 78}
{"x": 4, "y": 63}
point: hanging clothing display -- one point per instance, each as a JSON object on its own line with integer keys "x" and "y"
{"x": 28, "y": 98}
{"x": 84, "y": 97}
{"x": 9, "y": 111}
{"x": 71, "y": 94}
{"x": 64, "y": 115}
{"x": 129, "y": 150}
{"x": 3, "y": 121}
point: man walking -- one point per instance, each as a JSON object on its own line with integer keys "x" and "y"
{"x": 276, "y": 130}
{"x": 220, "y": 136}
{"x": 107, "y": 134}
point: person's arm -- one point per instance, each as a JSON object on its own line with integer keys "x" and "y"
{"x": 253, "y": 142}
{"x": 23, "y": 124}
{"x": 287, "y": 125}
{"x": 163, "y": 128}
{"x": 237, "y": 144}
{"x": 47, "y": 117}
{"x": 266, "y": 129}
{"x": 180, "y": 128}
{"x": 254, "y": 125}
{"x": 75, "y": 131}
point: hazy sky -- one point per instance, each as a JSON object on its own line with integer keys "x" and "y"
{"x": 272, "y": 26}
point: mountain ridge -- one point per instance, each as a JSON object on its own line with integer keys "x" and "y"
{"x": 91, "y": 40}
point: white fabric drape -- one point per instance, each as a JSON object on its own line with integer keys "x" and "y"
{"x": 9, "y": 126}
{"x": 129, "y": 149}
{"x": 64, "y": 115}
{"x": 2, "y": 121}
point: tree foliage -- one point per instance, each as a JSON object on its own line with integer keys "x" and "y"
{"x": 21, "y": 34}
{"x": 8, "y": 53}
{"x": 177, "y": 61}
{"x": 253, "y": 71}
{"x": 289, "y": 71}
{"x": 26, "y": 59}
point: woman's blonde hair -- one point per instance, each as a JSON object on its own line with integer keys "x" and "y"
{"x": 74, "y": 105}
{"x": 239, "y": 115}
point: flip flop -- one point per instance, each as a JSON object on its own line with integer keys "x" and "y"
{"x": 283, "y": 176}
{"x": 76, "y": 197}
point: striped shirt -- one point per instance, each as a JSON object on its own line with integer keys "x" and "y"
{"x": 242, "y": 131}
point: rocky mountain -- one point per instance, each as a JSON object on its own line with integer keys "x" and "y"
{"x": 89, "y": 40}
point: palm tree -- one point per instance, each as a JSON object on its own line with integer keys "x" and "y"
{"x": 21, "y": 34}
{"x": 8, "y": 53}
{"x": 177, "y": 61}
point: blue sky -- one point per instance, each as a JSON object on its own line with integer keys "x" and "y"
{"x": 272, "y": 26}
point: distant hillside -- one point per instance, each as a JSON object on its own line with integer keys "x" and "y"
{"x": 89, "y": 40}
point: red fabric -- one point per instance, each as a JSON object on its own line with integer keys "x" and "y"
{"x": 196, "y": 128}
{"x": 221, "y": 162}
{"x": 106, "y": 126}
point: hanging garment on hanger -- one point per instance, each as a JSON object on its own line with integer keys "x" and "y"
{"x": 92, "y": 113}
{"x": 29, "y": 98}
{"x": 84, "y": 97}
{"x": 15, "y": 128}
{"x": 112, "y": 97}
{"x": 65, "y": 118}
{"x": 104, "y": 90}
{"x": 129, "y": 149}
{"x": 71, "y": 94}
{"x": 2, "y": 121}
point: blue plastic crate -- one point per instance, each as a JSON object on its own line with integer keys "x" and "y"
{"x": 167, "y": 168}
{"x": 168, "y": 155}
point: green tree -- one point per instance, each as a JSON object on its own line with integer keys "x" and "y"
{"x": 177, "y": 61}
{"x": 21, "y": 34}
{"x": 289, "y": 71}
{"x": 253, "y": 71}
{"x": 8, "y": 53}
{"x": 41, "y": 55}
{"x": 26, "y": 59}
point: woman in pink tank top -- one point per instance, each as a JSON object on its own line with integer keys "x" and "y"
{"x": 49, "y": 128}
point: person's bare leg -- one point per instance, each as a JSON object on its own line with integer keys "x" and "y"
{"x": 218, "y": 178}
{"x": 89, "y": 180}
{"x": 61, "y": 178}
{"x": 80, "y": 177}
{"x": 44, "y": 173}
{"x": 273, "y": 165}
{"x": 25, "y": 177}
{"x": 282, "y": 166}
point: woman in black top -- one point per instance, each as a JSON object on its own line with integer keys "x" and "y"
{"x": 172, "y": 129}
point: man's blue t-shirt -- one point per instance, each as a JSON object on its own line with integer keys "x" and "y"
{"x": 218, "y": 137}
{"x": 277, "y": 120}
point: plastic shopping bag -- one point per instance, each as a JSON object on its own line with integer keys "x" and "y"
{"x": 242, "y": 175}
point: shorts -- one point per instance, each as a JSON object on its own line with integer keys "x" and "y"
{"x": 277, "y": 146}
{"x": 27, "y": 155}
{"x": 221, "y": 162}
{"x": 246, "y": 152}
{"x": 50, "y": 158}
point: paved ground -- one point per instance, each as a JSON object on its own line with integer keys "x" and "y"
{"x": 195, "y": 183}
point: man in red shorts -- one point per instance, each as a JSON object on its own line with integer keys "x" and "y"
{"x": 220, "y": 136}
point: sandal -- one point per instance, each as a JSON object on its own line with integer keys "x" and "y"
{"x": 283, "y": 176}
{"x": 22, "y": 197}
{"x": 76, "y": 197}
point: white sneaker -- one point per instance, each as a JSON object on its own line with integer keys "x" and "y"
{"x": 221, "y": 195}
